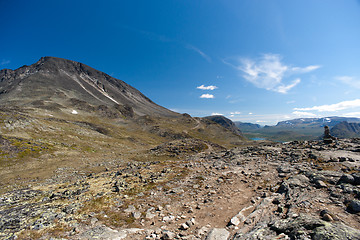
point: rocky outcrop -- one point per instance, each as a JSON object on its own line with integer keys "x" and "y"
{"x": 226, "y": 123}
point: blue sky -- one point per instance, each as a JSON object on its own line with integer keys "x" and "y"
{"x": 259, "y": 61}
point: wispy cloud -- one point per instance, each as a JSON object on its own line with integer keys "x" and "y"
{"x": 304, "y": 114}
{"x": 203, "y": 87}
{"x": 351, "y": 114}
{"x": 351, "y": 81}
{"x": 4, "y": 62}
{"x": 268, "y": 72}
{"x": 207, "y": 96}
{"x": 149, "y": 35}
{"x": 205, "y": 56}
{"x": 235, "y": 113}
{"x": 162, "y": 38}
{"x": 333, "y": 107}
{"x": 217, "y": 114}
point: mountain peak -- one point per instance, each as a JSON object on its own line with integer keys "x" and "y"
{"x": 53, "y": 81}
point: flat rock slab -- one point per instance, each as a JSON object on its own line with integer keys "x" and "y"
{"x": 103, "y": 232}
{"x": 218, "y": 234}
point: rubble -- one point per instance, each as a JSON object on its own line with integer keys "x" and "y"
{"x": 264, "y": 191}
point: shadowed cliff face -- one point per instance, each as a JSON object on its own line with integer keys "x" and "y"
{"x": 346, "y": 130}
{"x": 226, "y": 123}
{"x": 56, "y": 83}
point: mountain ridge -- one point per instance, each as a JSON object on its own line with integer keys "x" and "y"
{"x": 55, "y": 81}
{"x": 346, "y": 130}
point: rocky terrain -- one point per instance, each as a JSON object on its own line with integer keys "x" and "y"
{"x": 86, "y": 156}
{"x": 295, "y": 190}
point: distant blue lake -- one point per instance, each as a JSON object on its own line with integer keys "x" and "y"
{"x": 257, "y": 139}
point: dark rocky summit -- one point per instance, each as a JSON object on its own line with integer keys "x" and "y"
{"x": 226, "y": 123}
{"x": 247, "y": 126}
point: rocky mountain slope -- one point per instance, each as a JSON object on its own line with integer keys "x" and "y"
{"x": 247, "y": 126}
{"x": 226, "y": 123}
{"x": 346, "y": 130}
{"x": 60, "y": 84}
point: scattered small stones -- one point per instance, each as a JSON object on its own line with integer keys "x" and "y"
{"x": 283, "y": 188}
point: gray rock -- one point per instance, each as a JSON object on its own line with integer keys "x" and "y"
{"x": 354, "y": 206}
{"x": 149, "y": 215}
{"x": 307, "y": 227}
{"x": 319, "y": 183}
{"x": 130, "y": 209}
{"x": 184, "y": 226}
{"x": 335, "y": 231}
{"x": 356, "y": 177}
{"x": 234, "y": 221}
{"x": 218, "y": 234}
{"x": 167, "y": 235}
{"x": 136, "y": 215}
{"x": 346, "y": 178}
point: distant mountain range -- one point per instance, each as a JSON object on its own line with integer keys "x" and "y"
{"x": 315, "y": 122}
{"x": 302, "y": 129}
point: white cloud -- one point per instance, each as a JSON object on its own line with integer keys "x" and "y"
{"x": 305, "y": 69}
{"x": 250, "y": 113}
{"x": 217, "y": 114}
{"x": 269, "y": 72}
{"x": 207, "y": 96}
{"x": 351, "y": 114}
{"x": 4, "y": 62}
{"x": 304, "y": 114}
{"x": 235, "y": 113}
{"x": 205, "y": 56}
{"x": 333, "y": 107}
{"x": 203, "y": 87}
{"x": 285, "y": 89}
{"x": 351, "y": 81}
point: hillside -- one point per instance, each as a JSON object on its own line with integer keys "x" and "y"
{"x": 247, "y": 126}
{"x": 62, "y": 85}
{"x": 226, "y": 123}
{"x": 346, "y": 130}
{"x": 59, "y": 113}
